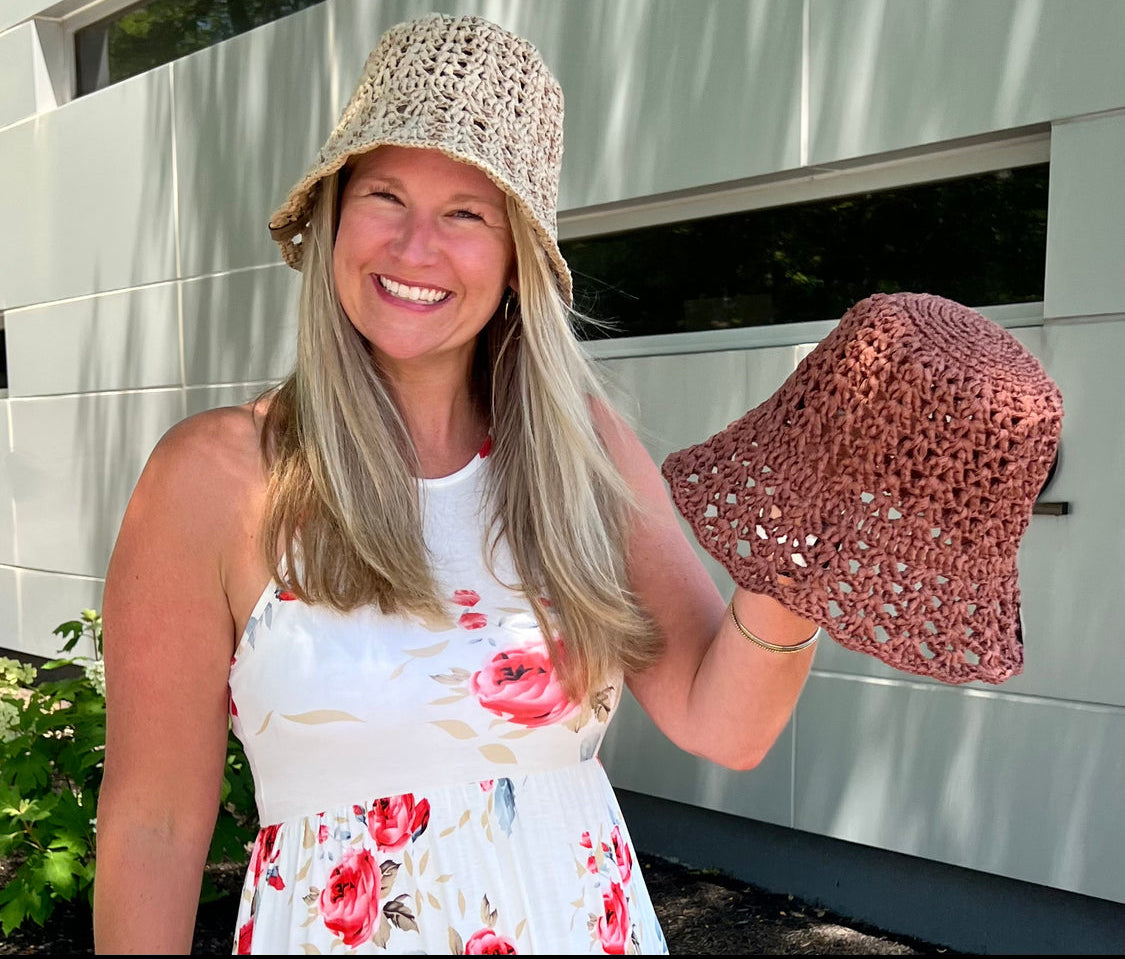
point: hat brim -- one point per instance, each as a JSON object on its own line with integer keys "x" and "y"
{"x": 805, "y": 541}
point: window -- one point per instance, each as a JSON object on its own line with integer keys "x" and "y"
{"x": 979, "y": 239}
{"x": 148, "y": 34}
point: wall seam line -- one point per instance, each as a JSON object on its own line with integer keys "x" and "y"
{"x": 806, "y": 21}
{"x": 176, "y": 227}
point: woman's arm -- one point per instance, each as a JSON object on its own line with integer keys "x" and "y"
{"x": 168, "y": 636}
{"x": 713, "y": 692}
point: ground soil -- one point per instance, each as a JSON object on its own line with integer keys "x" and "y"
{"x": 702, "y": 912}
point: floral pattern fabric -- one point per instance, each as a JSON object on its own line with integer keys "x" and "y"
{"x": 428, "y": 787}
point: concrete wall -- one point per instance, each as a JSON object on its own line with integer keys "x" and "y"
{"x": 138, "y": 283}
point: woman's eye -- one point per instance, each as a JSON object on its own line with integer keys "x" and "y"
{"x": 467, "y": 215}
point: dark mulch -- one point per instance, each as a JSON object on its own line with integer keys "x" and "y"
{"x": 703, "y": 913}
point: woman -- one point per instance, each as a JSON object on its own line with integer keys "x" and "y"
{"x": 417, "y": 574}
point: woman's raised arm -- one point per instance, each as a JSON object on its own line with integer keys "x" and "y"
{"x": 713, "y": 692}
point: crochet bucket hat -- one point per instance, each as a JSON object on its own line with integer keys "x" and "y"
{"x": 889, "y": 480}
{"x": 466, "y": 87}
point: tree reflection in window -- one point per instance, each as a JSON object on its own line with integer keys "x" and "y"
{"x": 154, "y": 32}
{"x": 980, "y": 240}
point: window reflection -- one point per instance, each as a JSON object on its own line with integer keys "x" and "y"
{"x": 980, "y": 240}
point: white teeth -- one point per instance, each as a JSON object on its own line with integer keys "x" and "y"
{"x": 416, "y": 294}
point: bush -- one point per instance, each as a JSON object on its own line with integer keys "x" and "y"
{"x": 52, "y": 740}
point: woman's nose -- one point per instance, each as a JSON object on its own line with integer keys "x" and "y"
{"x": 416, "y": 241}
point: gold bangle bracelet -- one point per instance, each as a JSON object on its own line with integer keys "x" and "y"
{"x": 772, "y": 647}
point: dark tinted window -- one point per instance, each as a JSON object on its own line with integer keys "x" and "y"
{"x": 980, "y": 240}
{"x": 148, "y": 34}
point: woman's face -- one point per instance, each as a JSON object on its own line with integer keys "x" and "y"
{"x": 423, "y": 255}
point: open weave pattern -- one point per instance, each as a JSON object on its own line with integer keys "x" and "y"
{"x": 466, "y": 87}
{"x": 891, "y": 477}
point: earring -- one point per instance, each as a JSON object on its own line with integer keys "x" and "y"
{"x": 510, "y": 297}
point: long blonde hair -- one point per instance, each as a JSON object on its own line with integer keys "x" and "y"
{"x": 343, "y": 493}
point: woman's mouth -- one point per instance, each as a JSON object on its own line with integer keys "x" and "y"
{"x": 412, "y": 294}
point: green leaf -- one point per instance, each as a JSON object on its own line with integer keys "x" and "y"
{"x": 19, "y": 901}
{"x": 58, "y": 871}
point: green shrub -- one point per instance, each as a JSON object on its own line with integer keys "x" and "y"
{"x": 52, "y": 740}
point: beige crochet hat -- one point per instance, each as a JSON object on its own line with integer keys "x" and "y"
{"x": 468, "y": 88}
{"x": 891, "y": 477}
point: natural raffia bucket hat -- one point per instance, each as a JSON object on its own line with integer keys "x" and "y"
{"x": 466, "y": 87}
{"x": 888, "y": 482}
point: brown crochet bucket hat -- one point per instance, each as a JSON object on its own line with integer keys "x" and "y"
{"x": 466, "y": 87}
{"x": 890, "y": 480}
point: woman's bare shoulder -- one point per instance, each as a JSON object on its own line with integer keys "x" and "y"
{"x": 225, "y": 431}
{"x": 208, "y": 467}
{"x": 217, "y": 446}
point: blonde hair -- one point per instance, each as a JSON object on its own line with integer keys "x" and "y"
{"x": 343, "y": 496}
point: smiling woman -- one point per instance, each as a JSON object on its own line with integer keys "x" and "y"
{"x": 418, "y": 572}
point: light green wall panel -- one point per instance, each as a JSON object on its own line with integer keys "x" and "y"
{"x": 251, "y": 114}
{"x": 661, "y": 95}
{"x": 116, "y": 341}
{"x": 892, "y": 74}
{"x": 9, "y": 608}
{"x": 1024, "y": 787}
{"x": 13, "y": 11}
{"x": 17, "y": 74}
{"x": 241, "y": 327}
{"x": 1085, "y": 273}
{"x": 88, "y": 193}
{"x": 73, "y": 466}
{"x": 46, "y": 601}
{"x": 7, "y": 493}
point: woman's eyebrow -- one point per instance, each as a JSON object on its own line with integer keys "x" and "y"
{"x": 498, "y": 202}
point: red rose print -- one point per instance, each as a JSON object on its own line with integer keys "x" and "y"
{"x": 623, "y": 854}
{"x": 485, "y": 942}
{"x": 613, "y": 927}
{"x": 285, "y": 595}
{"x": 322, "y": 833}
{"x": 466, "y": 597}
{"x": 263, "y": 849}
{"x": 473, "y": 620}
{"x": 592, "y": 865}
{"x": 485, "y": 447}
{"x": 395, "y": 820}
{"x": 586, "y": 840}
{"x": 274, "y": 879}
{"x": 245, "y": 937}
{"x": 487, "y": 784}
{"x": 520, "y": 685}
{"x": 349, "y": 901}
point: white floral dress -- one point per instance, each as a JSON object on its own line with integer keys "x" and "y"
{"x": 428, "y": 788}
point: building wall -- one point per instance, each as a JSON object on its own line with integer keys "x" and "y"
{"x": 139, "y": 284}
